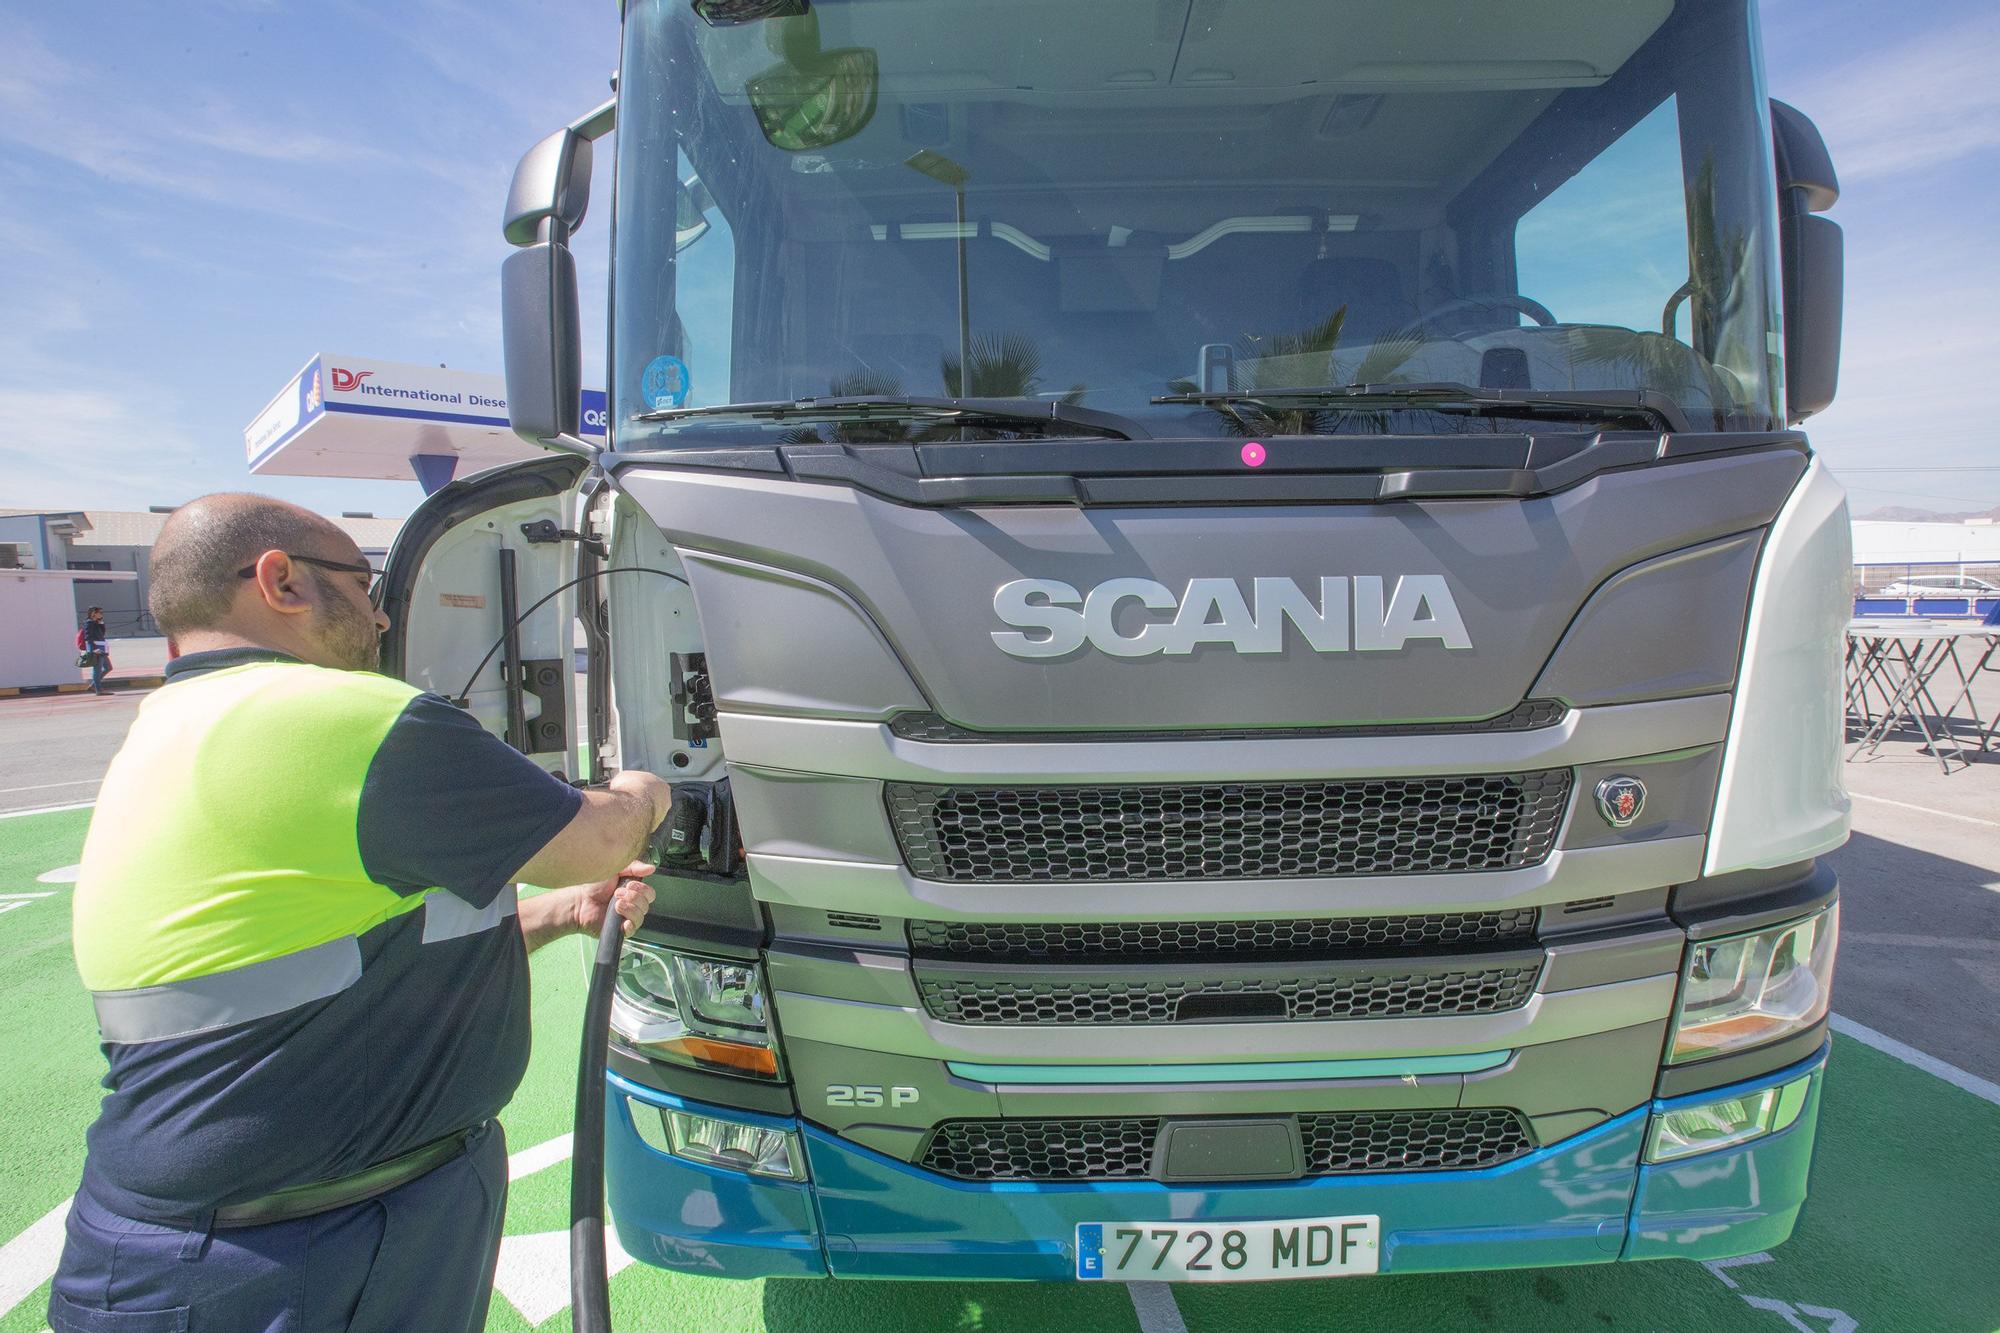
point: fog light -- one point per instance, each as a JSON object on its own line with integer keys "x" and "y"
{"x": 1725, "y": 1123}
{"x": 734, "y": 1147}
{"x": 651, "y": 1123}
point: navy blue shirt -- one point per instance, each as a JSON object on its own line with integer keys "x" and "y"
{"x": 431, "y": 1038}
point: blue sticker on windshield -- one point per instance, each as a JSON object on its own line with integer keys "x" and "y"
{"x": 664, "y": 382}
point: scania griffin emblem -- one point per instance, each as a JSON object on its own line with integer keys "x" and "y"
{"x": 1620, "y": 800}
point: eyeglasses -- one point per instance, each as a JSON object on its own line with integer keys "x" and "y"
{"x": 337, "y": 566}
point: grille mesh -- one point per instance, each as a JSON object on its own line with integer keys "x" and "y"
{"x": 1096, "y": 939}
{"x": 1529, "y": 716}
{"x": 1339, "y": 1143}
{"x": 1385, "y": 991}
{"x": 1384, "y": 826}
{"x": 1348, "y": 1141}
{"x": 1043, "y": 1149}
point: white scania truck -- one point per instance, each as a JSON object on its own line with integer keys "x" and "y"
{"x": 1249, "y": 653}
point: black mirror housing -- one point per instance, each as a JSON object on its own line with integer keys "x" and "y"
{"x": 1814, "y": 262}
{"x": 543, "y": 343}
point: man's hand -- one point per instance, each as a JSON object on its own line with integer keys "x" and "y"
{"x": 627, "y": 891}
{"x": 580, "y": 908}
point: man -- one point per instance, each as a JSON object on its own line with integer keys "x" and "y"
{"x": 297, "y": 917}
{"x": 90, "y": 641}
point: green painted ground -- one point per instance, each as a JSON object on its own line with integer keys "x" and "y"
{"x": 1901, "y": 1231}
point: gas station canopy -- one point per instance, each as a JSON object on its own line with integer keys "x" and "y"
{"x": 351, "y": 416}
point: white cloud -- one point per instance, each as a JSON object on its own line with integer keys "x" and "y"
{"x": 1930, "y": 100}
{"x": 89, "y": 443}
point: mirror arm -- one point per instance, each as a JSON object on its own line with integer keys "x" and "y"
{"x": 596, "y": 123}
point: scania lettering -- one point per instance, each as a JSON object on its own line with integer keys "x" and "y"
{"x": 1246, "y": 638}
{"x": 1214, "y": 611}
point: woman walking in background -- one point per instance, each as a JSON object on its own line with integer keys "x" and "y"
{"x": 92, "y": 651}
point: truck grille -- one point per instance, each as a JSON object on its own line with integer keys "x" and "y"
{"x": 1339, "y": 1143}
{"x": 1296, "y": 994}
{"x": 1248, "y": 830}
{"x": 1247, "y": 939}
{"x": 1344, "y": 1142}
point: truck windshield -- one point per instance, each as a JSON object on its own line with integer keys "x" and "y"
{"x": 1149, "y": 207}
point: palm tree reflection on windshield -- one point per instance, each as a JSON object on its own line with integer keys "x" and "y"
{"x": 1309, "y": 359}
{"x": 1006, "y": 365}
{"x": 1696, "y": 376}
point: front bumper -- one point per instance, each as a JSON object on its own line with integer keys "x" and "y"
{"x": 1587, "y": 1199}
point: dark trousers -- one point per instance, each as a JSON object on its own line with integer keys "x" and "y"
{"x": 99, "y": 661}
{"x": 418, "y": 1257}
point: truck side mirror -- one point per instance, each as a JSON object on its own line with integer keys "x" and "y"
{"x": 1812, "y": 250}
{"x": 542, "y": 343}
{"x": 813, "y": 98}
{"x": 539, "y": 317}
{"x": 691, "y": 204}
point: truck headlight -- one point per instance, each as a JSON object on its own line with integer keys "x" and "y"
{"x": 1745, "y": 990}
{"x": 704, "y": 1012}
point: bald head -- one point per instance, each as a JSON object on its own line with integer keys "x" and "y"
{"x": 205, "y": 542}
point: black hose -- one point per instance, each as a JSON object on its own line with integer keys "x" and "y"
{"x": 589, "y": 1276}
{"x": 541, "y": 602}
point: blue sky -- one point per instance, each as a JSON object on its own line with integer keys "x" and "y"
{"x": 195, "y": 198}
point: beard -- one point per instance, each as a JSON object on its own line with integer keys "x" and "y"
{"x": 347, "y": 635}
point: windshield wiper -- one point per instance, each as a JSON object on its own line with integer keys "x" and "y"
{"x": 1447, "y": 397}
{"x": 941, "y": 411}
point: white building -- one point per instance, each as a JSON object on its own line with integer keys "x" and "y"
{"x": 108, "y": 553}
{"x": 1877, "y": 542}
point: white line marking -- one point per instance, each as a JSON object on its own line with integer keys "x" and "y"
{"x": 1987, "y": 970}
{"x": 1153, "y": 1302}
{"x": 1984, "y": 1089}
{"x": 1716, "y": 1267}
{"x": 1925, "y": 809}
{"x": 533, "y": 1271}
{"x": 45, "y": 810}
{"x": 530, "y": 1160}
{"x": 29, "y": 1260}
{"x": 49, "y": 786}
{"x": 60, "y": 875}
{"x": 1837, "y": 1321}
{"x": 1920, "y": 941}
{"x": 15, "y": 897}
{"x": 8, "y": 907}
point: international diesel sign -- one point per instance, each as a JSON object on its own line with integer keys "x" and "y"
{"x": 353, "y": 416}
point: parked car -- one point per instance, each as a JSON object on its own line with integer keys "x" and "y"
{"x": 1941, "y": 585}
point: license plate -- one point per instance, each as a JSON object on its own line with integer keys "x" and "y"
{"x": 1227, "y": 1251}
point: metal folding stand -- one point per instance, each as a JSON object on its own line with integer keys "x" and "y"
{"x": 1900, "y": 663}
{"x": 1866, "y": 670}
{"x": 1981, "y": 731}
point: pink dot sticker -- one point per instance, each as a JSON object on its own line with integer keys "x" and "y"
{"x": 1253, "y": 454}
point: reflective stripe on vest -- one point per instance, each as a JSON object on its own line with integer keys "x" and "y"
{"x": 224, "y": 999}
{"x": 447, "y": 917}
